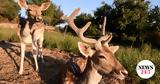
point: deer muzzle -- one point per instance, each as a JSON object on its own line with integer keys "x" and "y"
{"x": 122, "y": 74}
{"x": 39, "y": 18}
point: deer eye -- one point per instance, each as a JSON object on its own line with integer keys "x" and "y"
{"x": 29, "y": 10}
{"x": 102, "y": 57}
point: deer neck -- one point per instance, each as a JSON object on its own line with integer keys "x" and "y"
{"x": 94, "y": 77}
{"x": 28, "y": 26}
{"x": 25, "y": 30}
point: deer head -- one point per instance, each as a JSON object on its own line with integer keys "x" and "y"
{"x": 34, "y": 11}
{"x": 103, "y": 55}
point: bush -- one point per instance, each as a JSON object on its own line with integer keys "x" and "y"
{"x": 8, "y": 9}
{"x": 130, "y": 57}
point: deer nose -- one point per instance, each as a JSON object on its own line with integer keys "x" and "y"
{"x": 124, "y": 72}
{"x": 39, "y": 18}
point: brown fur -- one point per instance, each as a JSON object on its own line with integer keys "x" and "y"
{"x": 31, "y": 30}
{"x": 101, "y": 59}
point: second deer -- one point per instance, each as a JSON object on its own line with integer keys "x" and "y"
{"x": 31, "y": 30}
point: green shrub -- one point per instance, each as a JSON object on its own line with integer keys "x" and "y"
{"x": 130, "y": 57}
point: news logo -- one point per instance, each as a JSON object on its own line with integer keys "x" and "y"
{"x": 145, "y": 69}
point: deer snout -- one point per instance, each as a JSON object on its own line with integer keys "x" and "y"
{"x": 124, "y": 72}
{"x": 121, "y": 74}
{"x": 39, "y": 18}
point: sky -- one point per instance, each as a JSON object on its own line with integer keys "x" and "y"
{"x": 88, "y": 6}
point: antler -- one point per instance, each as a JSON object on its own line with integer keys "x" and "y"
{"x": 79, "y": 31}
{"x": 103, "y": 41}
{"x": 104, "y": 25}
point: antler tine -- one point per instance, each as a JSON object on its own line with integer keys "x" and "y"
{"x": 107, "y": 38}
{"x": 103, "y": 40}
{"x": 82, "y": 30}
{"x": 104, "y": 25}
{"x": 79, "y": 31}
{"x": 70, "y": 20}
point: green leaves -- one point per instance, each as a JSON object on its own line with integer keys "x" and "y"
{"x": 8, "y": 9}
{"x": 52, "y": 15}
{"x": 133, "y": 13}
{"x": 154, "y": 19}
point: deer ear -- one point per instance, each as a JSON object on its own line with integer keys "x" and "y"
{"x": 22, "y": 4}
{"x": 113, "y": 48}
{"x": 85, "y": 49}
{"x": 45, "y": 6}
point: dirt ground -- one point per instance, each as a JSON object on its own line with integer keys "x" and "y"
{"x": 10, "y": 62}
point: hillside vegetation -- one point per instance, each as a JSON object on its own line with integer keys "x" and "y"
{"x": 129, "y": 57}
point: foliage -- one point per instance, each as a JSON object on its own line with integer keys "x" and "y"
{"x": 127, "y": 19}
{"x": 82, "y": 20}
{"x": 130, "y": 57}
{"x": 102, "y": 11}
{"x": 132, "y": 16}
{"x": 154, "y": 20}
{"x": 52, "y": 15}
{"x": 8, "y": 9}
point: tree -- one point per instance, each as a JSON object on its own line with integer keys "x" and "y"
{"x": 102, "y": 14}
{"x": 8, "y": 10}
{"x": 154, "y": 28}
{"x": 53, "y": 15}
{"x": 131, "y": 18}
{"x": 154, "y": 19}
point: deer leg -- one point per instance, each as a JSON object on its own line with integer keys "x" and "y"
{"x": 35, "y": 53}
{"x": 40, "y": 44}
{"x": 22, "y": 57}
{"x": 40, "y": 54}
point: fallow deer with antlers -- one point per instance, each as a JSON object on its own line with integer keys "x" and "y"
{"x": 31, "y": 30}
{"x": 87, "y": 69}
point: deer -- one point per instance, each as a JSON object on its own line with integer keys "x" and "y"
{"x": 31, "y": 30}
{"x": 93, "y": 62}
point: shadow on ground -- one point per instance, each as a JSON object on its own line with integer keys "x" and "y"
{"x": 49, "y": 73}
